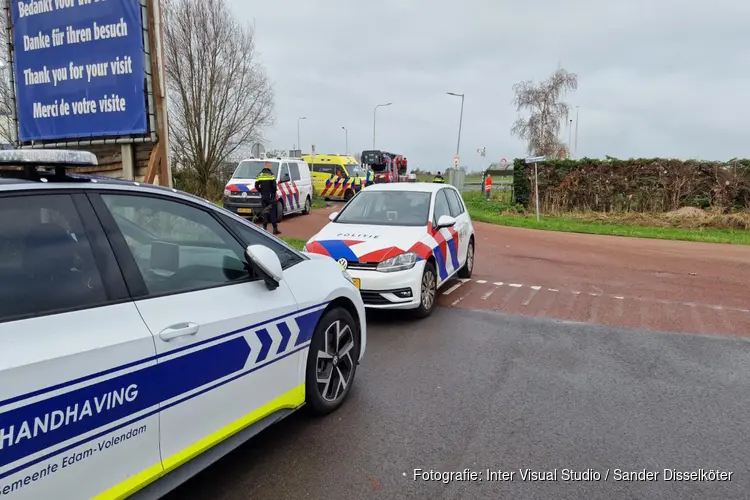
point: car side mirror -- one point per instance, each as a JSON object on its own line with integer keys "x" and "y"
{"x": 266, "y": 264}
{"x": 446, "y": 221}
{"x": 333, "y": 216}
{"x": 285, "y": 178}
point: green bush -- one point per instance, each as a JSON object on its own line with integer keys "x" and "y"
{"x": 635, "y": 185}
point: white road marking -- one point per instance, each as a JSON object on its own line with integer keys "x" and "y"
{"x": 459, "y": 299}
{"x": 453, "y": 288}
{"x": 536, "y": 288}
{"x": 531, "y": 296}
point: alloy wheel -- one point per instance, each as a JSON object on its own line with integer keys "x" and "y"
{"x": 335, "y": 363}
{"x": 470, "y": 258}
{"x": 428, "y": 290}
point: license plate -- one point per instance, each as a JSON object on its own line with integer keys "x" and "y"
{"x": 356, "y": 282}
{"x": 245, "y": 210}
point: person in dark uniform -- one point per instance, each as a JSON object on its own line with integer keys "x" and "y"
{"x": 265, "y": 183}
{"x": 439, "y": 179}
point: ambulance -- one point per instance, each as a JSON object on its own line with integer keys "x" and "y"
{"x": 335, "y": 177}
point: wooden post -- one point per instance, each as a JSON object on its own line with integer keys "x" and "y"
{"x": 159, "y": 153}
{"x": 152, "y": 162}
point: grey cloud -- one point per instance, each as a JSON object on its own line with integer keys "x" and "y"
{"x": 656, "y": 78}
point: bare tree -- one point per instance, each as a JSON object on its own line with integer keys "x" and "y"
{"x": 547, "y": 111}
{"x": 7, "y": 134}
{"x": 219, "y": 96}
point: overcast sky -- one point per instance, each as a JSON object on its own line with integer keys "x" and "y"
{"x": 656, "y": 77}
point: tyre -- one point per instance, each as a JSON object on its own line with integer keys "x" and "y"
{"x": 279, "y": 211}
{"x": 428, "y": 291}
{"x": 465, "y": 272}
{"x": 348, "y": 194}
{"x": 308, "y": 206}
{"x": 331, "y": 362}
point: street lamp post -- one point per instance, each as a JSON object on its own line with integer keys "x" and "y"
{"x": 346, "y": 147}
{"x": 576, "y": 144}
{"x": 374, "y": 115}
{"x": 570, "y": 134}
{"x": 460, "y": 120}
{"x": 299, "y": 145}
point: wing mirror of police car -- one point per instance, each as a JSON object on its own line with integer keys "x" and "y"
{"x": 333, "y": 216}
{"x": 446, "y": 221}
{"x": 266, "y": 264}
{"x": 285, "y": 178}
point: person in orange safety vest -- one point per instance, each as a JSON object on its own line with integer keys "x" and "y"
{"x": 488, "y": 186}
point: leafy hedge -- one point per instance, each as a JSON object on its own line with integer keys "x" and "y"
{"x": 635, "y": 185}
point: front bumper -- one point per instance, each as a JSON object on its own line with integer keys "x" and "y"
{"x": 399, "y": 290}
{"x": 243, "y": 206}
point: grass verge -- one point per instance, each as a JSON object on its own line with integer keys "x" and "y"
{"x": 496, "y": 212}
{"x": 295, "y": 242}
{"x": 318, "y": 202}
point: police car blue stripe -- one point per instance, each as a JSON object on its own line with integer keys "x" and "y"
{"x": 265, "y": 344}
{"x": 35, "y": 427}
{"x": 338, "y": 249}
{"x": 243, "y": 187}
{"x": 286, "y": 335}
{"x": 452, "y": 248}
{"x": 440, "y": 260}
{"x": 132, "y": 364}
{"x": 142, "y": 417}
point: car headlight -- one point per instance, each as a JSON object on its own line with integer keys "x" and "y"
{"x": 398, "y": 263}
{"x": 227, "y": 192}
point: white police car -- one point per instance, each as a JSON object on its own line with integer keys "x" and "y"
{"x": 145, "y": 332}
{"x": 400, "y": 242}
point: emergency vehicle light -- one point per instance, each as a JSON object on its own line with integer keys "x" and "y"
{"x": 48, "y": 157}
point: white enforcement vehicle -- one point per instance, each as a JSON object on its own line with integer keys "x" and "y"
{"x": 145, "y": 332}
{"x": 400, "y": 243}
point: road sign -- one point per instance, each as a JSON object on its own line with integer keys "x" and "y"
{"x": 536, "y": 159}
{"x": 503, "y": 163}
{"x": 456, "y": 161}
{"x": 257, "y": 150}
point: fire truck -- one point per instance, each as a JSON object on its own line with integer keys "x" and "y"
{"x": 387, "y": 167}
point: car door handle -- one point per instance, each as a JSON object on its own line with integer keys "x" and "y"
{"x": 179, "y": 330}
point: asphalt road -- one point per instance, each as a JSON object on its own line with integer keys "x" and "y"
{"x": 485, "y": 390}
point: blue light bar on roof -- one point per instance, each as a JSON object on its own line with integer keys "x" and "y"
{"x": 48, "y": 157}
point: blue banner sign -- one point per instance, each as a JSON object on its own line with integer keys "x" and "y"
{"x": 79, "y": 68}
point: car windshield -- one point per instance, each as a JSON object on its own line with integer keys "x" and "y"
{"x": 387, "y": 208}
{"x": 355, "y": 170}
{"x": 249, "y": 169}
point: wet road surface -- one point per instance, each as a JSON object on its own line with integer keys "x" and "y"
{"x": 606, "y": 280}
{"x": 485, "y": 390}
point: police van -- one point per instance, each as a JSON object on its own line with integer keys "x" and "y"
{"x": 294, "y": 186}
{"x": 146, "y": 332}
